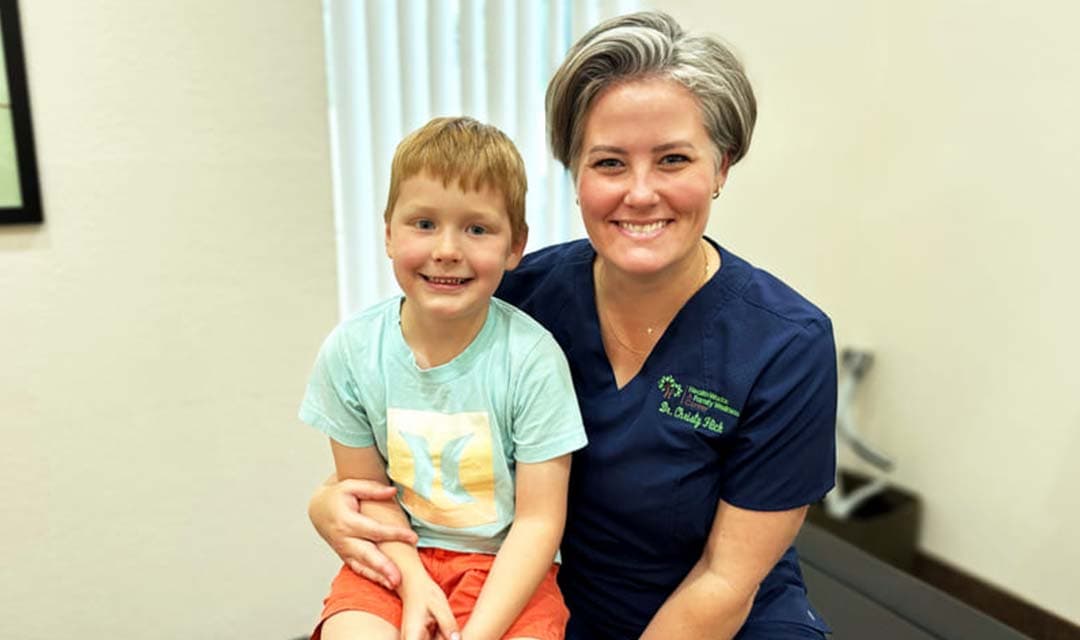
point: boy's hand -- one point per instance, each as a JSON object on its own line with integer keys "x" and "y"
{"x": 425, "y": 612}
{"x": 334, "y": 509}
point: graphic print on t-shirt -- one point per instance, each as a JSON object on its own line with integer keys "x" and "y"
{"x": 443, "y": 462}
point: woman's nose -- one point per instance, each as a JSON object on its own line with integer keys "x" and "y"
{"x": 641, "y": 192}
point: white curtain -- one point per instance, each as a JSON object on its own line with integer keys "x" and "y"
{"x": 394, "y": 65}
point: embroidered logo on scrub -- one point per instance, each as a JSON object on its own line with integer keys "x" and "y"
{"x": 693, "y": 405}
{"x": 443, "y": 462}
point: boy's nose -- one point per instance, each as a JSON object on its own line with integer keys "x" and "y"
{"x": 447, "y": 248}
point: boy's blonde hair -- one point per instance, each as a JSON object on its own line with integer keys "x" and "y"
{"x": 477, "y": 155}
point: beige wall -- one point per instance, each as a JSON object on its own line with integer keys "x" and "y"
{"x": 913, "y": 172}
{"x": 156, "y": 333}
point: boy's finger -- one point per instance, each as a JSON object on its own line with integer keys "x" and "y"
{"x": 411, "y": 629}
{"x": 416, "y": 627}
{"x": 444, "y": 618}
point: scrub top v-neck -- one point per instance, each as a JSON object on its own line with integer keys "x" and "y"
{"x": 586, "y": 289}
{"x": 735, "y": 402}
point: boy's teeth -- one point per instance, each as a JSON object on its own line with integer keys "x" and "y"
{"x": 446, "y": 280}
{"x": 641, "y": 228}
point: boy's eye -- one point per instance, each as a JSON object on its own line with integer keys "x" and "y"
{"x": 674, "y": 158}
{"x": 424, "y": 224}
{"x": 476, "y": 230}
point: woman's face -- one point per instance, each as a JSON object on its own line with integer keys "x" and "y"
{"x": 646, "y": 176}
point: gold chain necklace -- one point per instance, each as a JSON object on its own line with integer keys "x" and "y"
{"x": 649, "y": 330}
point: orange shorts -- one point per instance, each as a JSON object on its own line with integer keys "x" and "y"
{"x": 461, "y": 575}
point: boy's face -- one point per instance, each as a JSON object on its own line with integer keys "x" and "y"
{"x": 450, "y": 247}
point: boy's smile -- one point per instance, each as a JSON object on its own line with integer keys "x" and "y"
{"x": 445, "y": 283}
{"x": 450, "y": 248}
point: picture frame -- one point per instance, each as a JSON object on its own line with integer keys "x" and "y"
{"x": 20, "y": 192}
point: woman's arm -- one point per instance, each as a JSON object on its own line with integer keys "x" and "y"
{"x": 714, "y": 599}
{"x": 334, "y": 510}
{"x": 423, "y": 601}
{"x": 528, "y": 551}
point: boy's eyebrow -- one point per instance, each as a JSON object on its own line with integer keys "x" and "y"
{"x": 425, "y": 209}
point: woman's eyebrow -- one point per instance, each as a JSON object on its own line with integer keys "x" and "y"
{"x": 668, "y": 146}
{"x": 604, "y": 148}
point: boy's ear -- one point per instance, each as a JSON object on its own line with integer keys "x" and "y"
{"x": 386, "y": 242}
{"x": 517, "y": 249}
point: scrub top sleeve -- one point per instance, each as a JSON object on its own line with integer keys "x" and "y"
{"x": 332, "y": 402}
{"x": 784, "y": 453}
{"x": 547, "y": 421}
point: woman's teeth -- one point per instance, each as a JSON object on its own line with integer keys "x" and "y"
{"x": 642, "y": 228}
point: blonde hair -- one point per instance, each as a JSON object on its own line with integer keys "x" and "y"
{"x": 474, "y": 154}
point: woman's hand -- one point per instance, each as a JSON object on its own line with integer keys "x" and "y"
{"x": 425, "y": 613}
{"x": 334, "y": 509}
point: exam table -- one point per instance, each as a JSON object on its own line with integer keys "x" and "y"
{"x": 863, "y": 597}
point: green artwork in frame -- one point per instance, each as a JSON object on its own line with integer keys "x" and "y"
{"x": 20, "y": 196}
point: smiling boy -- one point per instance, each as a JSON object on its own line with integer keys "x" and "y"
{"x": 460, "y": 400}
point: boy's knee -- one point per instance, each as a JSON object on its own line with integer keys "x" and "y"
{"x": 349, "y": 625}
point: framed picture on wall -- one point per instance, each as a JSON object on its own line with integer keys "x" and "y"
{"x": 20, "y": 195}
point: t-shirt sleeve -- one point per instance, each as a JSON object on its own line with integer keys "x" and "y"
{"x": 784, "y": 453}
{"x": 332, "y": 402}
{"x": 547, "y": 421}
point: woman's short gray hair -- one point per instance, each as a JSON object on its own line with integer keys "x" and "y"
{"x": 643, "y": 45}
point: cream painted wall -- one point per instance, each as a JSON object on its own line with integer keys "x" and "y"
{"x": 913, "y": 173}
{"x": 156, "y": 333}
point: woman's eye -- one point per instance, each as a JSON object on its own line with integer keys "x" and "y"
{"x": 424, "y": 224}
{"x": 476, "y": 230}
{"x": 674, "y": 158}
{"x": 607, "y": 163}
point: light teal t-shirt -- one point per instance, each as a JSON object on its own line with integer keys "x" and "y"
{"x": 449, "y": 435}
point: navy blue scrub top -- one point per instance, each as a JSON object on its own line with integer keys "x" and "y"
{"x": 736, "y": 402}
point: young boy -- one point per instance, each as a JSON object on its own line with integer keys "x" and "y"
{"x": 461, "y": 400}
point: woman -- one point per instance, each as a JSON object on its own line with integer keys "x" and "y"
{"x": 707, "y": 386}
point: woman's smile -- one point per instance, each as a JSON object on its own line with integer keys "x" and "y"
{"x": 642, "y": 229}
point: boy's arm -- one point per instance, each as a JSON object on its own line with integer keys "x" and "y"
{"x": 419, "y": 594}
{"x": 528, "y": 551}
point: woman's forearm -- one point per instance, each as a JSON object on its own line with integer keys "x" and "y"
{"x": 714, "y": 599}
{"x": 705, "y": 606}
